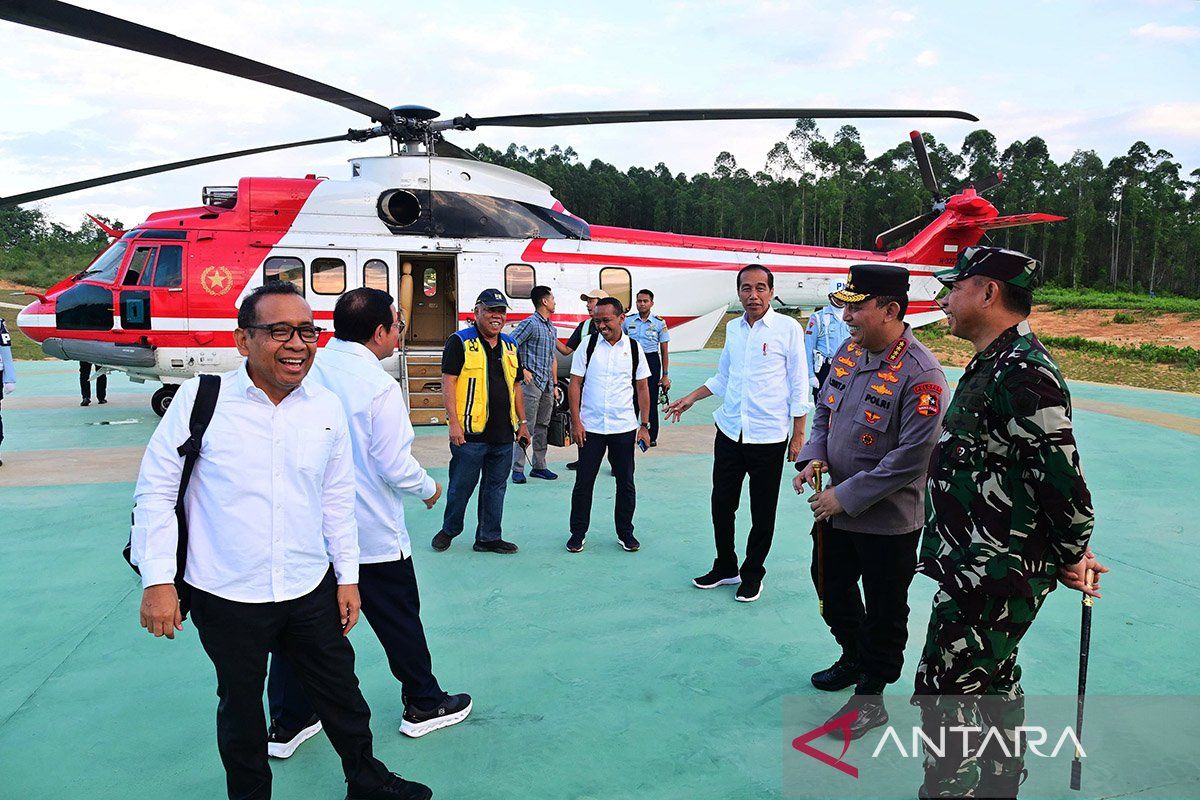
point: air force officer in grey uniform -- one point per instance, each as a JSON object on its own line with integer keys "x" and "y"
{"x": 878, "y": 418}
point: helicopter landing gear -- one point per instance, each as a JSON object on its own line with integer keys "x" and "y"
{"x": 162, "y": 398}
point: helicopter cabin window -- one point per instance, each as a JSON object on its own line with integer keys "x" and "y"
{"x": 142, "y": 261}
{"x": 168, "y": 272}
{"x": 616, "y": 282}
{"x": 429, "y": 281}
{"x": 284, "y": 268}
{"x": 328, "y": 276}
{"x": 104, "y": 269}
{"x": 519, "y": 280}
{"x": 375, "y": 275}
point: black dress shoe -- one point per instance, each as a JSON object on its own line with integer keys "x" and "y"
{"x": 573, "y": 465}
{"x": 844, "y": 673}
{"x": 495, "y": 546}
{"x": 871, "y": 715}
{"x": 85, "y": 402}
{"x": 396, "y": 788}
{"x": 441, "y": 541}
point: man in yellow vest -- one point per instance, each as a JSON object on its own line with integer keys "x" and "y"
{"x": 480, "y": 370}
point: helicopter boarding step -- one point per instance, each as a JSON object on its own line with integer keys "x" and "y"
{"x": 424, "y": 381}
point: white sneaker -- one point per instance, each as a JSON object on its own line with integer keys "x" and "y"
{"x": 451, "y": 711}
{"x": 281, "y": 743}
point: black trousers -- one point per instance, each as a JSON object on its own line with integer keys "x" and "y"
{"x": 392, "y": 607}
{"x": 1, "y": 406}
{"x": 85, "y": 386}
{"x": 821, "y": 375}
{"x": 654, "y": 362}
{"x": 619, "y": 447}
{"x": 238, "y": 637}
{"x": 886, "y": 564}
{"x": 732, "y": 462}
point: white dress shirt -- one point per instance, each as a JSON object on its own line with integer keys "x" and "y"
{"x": 381, "y": 437}
{"x": 271, "y": 500}
{"x": 763, "y": 377}
{"x": 606, "y": 404}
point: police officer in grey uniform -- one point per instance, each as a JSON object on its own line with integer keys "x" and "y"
{"x": 877, "y": 421}
{"x": 8, "y": 372}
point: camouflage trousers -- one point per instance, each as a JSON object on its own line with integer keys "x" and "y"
{"x": 968, "y": 677}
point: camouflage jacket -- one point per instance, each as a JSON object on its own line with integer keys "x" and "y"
{"x": 1006, "y": 503}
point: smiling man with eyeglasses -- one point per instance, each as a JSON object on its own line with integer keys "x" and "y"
{"x": 269, "y": 508}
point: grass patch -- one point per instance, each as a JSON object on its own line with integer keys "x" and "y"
{"x": 1187, "y": 357}
{"x": 1058, "y": 297}
{"x": 1125, "y": 318}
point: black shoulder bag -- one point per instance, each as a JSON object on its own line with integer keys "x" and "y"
{"x": 202, "y": 412}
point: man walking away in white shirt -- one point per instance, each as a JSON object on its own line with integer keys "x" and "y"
{"x": 366, "y": 331}
{"x": 270, "y": 506}
{"x": 606, "y": 370}
{"x": 763, "y": 377}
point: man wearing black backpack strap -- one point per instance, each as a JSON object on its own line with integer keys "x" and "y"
{"x": 269, "y": 507}
{"x": 604, "y": 376}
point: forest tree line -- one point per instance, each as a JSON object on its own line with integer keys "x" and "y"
{"x": 1133, "y": 223}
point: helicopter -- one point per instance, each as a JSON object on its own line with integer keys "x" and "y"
{"x": 429, "y": 223}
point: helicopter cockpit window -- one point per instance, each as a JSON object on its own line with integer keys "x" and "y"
{"x": 104, "y": 269}
{"x": 141, "y": 262}
{"x": 328, "y": 276}
{"x": 375, "y": 275}
{"x": 616, "y": 282}
{"x": 459, "y": 214}
{"x": 519, "y": 280}
{"x": 284, "y": 268}
{"x": 168, "y": 272}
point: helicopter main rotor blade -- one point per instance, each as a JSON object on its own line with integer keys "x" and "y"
{"x": 685, "y": 114}
{"x": 67, "y": 188}
{"x": 93, "y": 26}
{"x": 902, "y": 230}
{"x": 988, "y": 182}
{"x": 923, "y": 164}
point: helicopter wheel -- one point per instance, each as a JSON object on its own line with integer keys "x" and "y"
{"x": 161, "y": 399}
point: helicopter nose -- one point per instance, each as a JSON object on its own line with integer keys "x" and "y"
{"x": 36, "y": 320}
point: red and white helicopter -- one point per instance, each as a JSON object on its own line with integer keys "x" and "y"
{"x": 431, "y": 225}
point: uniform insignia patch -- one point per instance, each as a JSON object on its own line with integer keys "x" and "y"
{"x": 867, "y": 439}
{"x": 928, "y": 405}
{"x": 896, "y": 367}
{"x": 841, "y": 373}
{"x": 829, "y": 400}
{"x": 898, "y": 350}
{"x": 871, "y": 416}
{"x": 847, "y": 362}
{"x": 882, "y": 388}
{"x": 887, "y": 377}
{"x": 927, "y": 388}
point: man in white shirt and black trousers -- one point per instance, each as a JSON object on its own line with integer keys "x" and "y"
{"x": 763, "y": 377}
{"x": 270, "y": 506}
{"x": 366, "y": 329}
{"x": 606, "y": 370}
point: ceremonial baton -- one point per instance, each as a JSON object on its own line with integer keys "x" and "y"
{"x": 1085, "y": 643}
{"x": 818, "y": 473}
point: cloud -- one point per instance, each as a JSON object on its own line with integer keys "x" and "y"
{"x": 1167, "y": 33}
{"x": 1178, "y": 119}
{"x": 927, "y": 58}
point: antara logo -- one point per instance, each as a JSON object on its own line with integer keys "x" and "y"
{"x": 841, "y": 724}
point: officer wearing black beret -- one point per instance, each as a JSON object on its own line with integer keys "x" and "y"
{"x": 877, "y": 419}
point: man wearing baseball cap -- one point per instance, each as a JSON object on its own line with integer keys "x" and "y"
{"x": 480, "y": 371}
{"x": 582, "y": 331}
{"x": 1008, "y": 515}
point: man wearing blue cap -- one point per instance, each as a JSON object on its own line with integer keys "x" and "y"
{"x": 480, "y": 372}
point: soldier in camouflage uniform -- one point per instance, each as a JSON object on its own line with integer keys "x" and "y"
{"x": 1007, "y": 514}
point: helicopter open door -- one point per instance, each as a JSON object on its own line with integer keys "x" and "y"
{"x": 434, "y": 305}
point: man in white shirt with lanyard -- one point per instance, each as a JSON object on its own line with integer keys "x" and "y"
{"x": 366, "y": 330}
{"x": 763, "y": 377}
{"x": 606, "y": 370}
{"x": 269, "y": 507}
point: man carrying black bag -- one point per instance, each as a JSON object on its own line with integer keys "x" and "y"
{"x": 270, "y": 506}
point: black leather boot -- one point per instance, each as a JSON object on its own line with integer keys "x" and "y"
{"x": 843, "y": 673}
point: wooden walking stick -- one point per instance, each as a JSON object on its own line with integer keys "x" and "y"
{"x": 1085, "y": 643}
{"x": 818, "y": 473}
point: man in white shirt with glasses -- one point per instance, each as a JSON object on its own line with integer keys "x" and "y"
{"x": 269, "y": 508}
{"x": 763, "y": 378}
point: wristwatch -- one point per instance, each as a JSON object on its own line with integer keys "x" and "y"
{"x": 522, "y": 422}
{"x": 646, "y": 425}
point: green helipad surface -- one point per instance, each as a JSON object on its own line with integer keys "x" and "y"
{"x": 599, "y": 675}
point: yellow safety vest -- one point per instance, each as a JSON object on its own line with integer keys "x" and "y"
{"x": 471, "y": 392}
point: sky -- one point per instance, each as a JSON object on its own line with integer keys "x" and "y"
{"x": 1095, "y": 75}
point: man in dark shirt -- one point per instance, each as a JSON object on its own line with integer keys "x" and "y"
{"x": 480, "y": 370}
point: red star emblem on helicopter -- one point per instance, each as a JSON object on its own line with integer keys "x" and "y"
{"x": 216, "y": 280}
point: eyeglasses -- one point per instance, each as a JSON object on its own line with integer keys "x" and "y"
{"x": 283, "y": 332}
